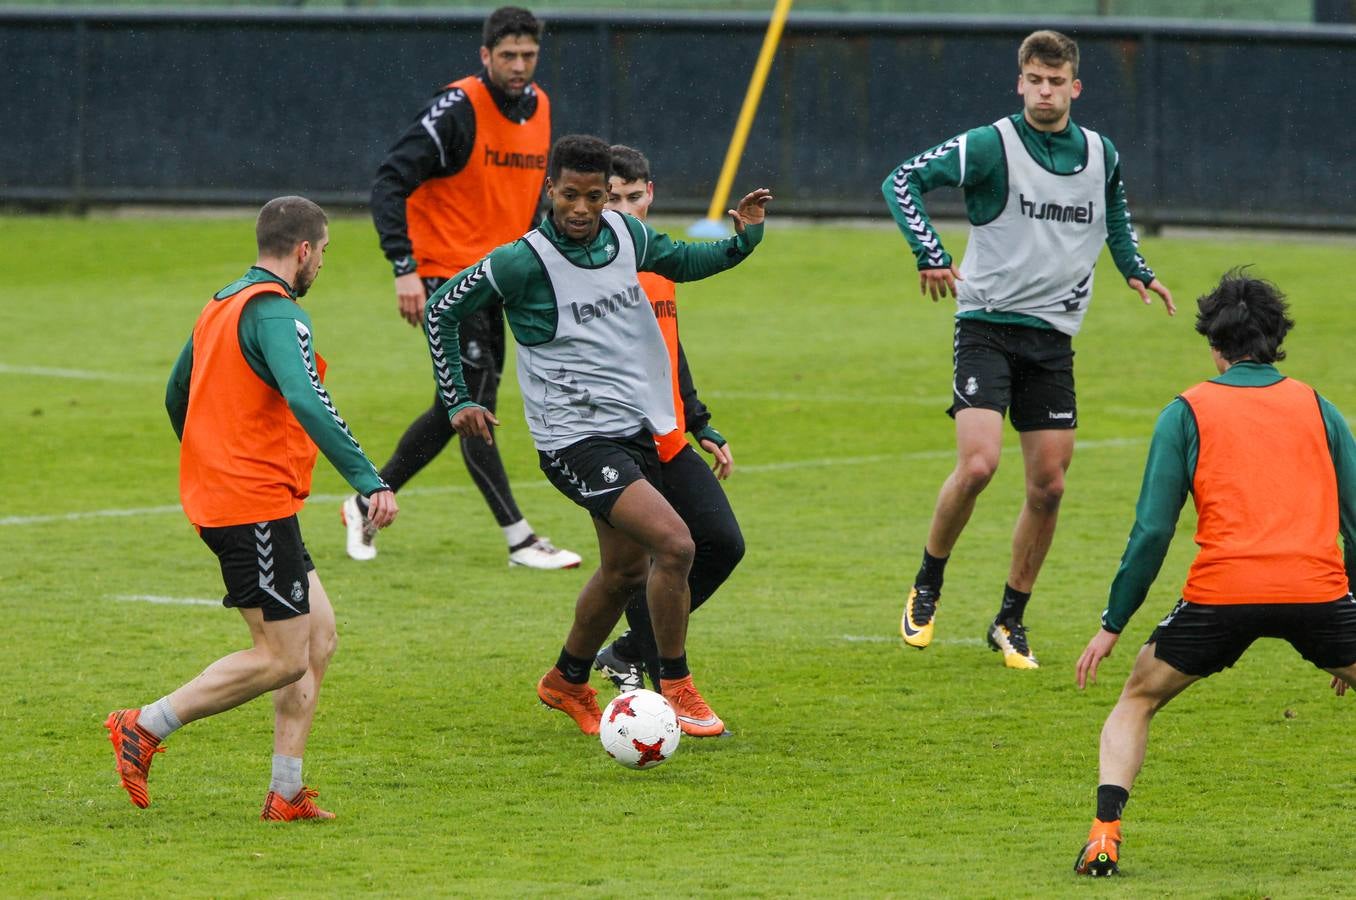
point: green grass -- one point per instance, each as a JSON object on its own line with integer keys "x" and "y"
{"x": 858, "y": 768}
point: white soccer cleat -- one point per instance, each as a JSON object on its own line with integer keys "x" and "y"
{"x": 361, "y": 535}
{"x": 542, "y": 554}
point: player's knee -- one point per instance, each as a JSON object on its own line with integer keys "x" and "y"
{"x": 1046, "y": 494}
{"x": 724, "y": 552}
{"x": 976, "y": 471}
{"x": 290, "y": 666}
{"x": 675, "y": 551}
{"x": 323, "y": 648}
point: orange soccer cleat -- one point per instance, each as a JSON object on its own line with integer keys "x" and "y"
{"x": 694, "y": 716}
{"x": 133, "y": 748}
{"x": 1101, "y": 854}
{"x": 302, "y": 806}
{"x": 575, "y": 700}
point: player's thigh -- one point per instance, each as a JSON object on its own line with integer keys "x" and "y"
{"x": 979, "y": 440}
{"x": 1046, "y": 455}
{"x": 981, "y": 367}
{"x": 642, "y": 513}
{"x": 1154, "y": 681}
{"x": 324, "y": 634}
{"x": 1043, "y": 395}
{"x": 623, "y": 562}
{"x": 1199, "y": 639}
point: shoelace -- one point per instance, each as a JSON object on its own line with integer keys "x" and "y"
{"x": 1017, "y": 636}
{"x": 545, "y": 545}
{"x": 924, "y": 605}
{"x": 690, "y": 703}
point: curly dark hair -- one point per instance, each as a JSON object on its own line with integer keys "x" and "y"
{"x": 580, "y": 153}
{"x": 1244, "y": 318}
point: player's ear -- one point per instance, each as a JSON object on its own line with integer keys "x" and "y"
{"x": 485, "y": 57}
{"x": 1077, "y": 89}
{"x": 649, "y": 191}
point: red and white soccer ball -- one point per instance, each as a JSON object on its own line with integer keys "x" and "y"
{"x": 639, "y": 729}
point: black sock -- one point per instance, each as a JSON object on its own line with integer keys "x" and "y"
{"x": 1111, "y": 800}
{"x": 670, "y": 669}
{"x": 363, "y": 503}
{"x": 931, "y": 572}
{"x": 575, "y": 670}
{"x": 1014, "y": 604}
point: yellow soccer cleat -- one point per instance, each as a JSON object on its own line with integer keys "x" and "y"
{"x": 1009, "y": 638}
{"x": 915, "y": 626}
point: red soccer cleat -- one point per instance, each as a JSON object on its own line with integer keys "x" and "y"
{"x": 133, "y": 747}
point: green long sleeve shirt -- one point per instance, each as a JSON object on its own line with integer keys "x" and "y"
{"x": 975, "y": 162}
{"x": 268, "y": 339}
{"x": 1168, "y": 475}
{"x": 518, "y": 279}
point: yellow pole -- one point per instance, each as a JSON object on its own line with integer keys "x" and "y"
{"x": 746, "y": 114}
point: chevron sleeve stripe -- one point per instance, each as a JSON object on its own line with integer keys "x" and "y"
{"x": 463, "y": 295}
{"x": 285, "y": 343}
{"x": 904, "y": 189}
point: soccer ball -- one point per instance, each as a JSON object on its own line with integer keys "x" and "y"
{"x": 639, "y": 729}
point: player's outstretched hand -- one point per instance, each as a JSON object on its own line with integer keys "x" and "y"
{"x": 1339, "y": 686}
{"x": 410, "y": 298}
{"x": 1158, "y": 288}
{"x": 724, "y": 463}
{"x": 382, "y": 508}
{"x": 1098, "y": 649}
{"x": 938, "y": 282}
{"x": 475, "y": 421}
{"x": 751, "y": 210}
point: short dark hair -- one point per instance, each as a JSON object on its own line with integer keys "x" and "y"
{"x": 285, "y": 222}
{"x": 581, "y": 153}
{"x": 509, "y": 21}
{"x": 1048, "y": 47}
{"x": 629, "y": 164}
{"x": 1244, "y": 318}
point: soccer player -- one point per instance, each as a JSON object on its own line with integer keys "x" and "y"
{"x": 1042, "y": 195}
{"x": 596, "y": 389}
{"x": 1271, "y": 467}
{"x": 464, "y": 178}
{"x": 686, "y": 483}
{"x": 247, "y": 400}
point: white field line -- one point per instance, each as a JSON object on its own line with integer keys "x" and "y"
{"x": 827, "y": 462}
{"x": 895, "y": 639}
{"x": 156, "y": 598}
{"x": 80, "y": 374}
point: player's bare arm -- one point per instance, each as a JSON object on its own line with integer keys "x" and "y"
{"x": 751, "y": 210}
{"x": 410, "y": 298}
{"x": 1158, "y": 288}
{"x": 938, "y": 282}
{"x": 475, "y": 421}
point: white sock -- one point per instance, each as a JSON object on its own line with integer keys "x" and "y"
{"x": 516, "y": 533}
{"x": 159, "y": 719}
{"x": 286, "y": 781}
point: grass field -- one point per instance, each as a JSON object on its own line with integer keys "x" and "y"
{"x": 858, "y": 767}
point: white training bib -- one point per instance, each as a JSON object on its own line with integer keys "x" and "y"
{"x": 606, "y": 372}
{"x": 1037, "y": 257}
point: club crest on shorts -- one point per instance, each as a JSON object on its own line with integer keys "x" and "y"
{"x": 297, "y": 593}
{"x": 609, "y": 474}
{"x": 971, "y": 386}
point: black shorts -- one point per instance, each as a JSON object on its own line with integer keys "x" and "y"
{"x": 1202, "y": 639}
{"x": 594, "y": 472}
{"x": 264, "y": 566}
{"x": 1015, "y": 367}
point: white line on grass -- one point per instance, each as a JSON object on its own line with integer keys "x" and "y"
{"x": 826, "y": 462}
{"x": 895, "y": 639}
{"x": 156, "y": 598}
{"x": 81, "y": 374}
